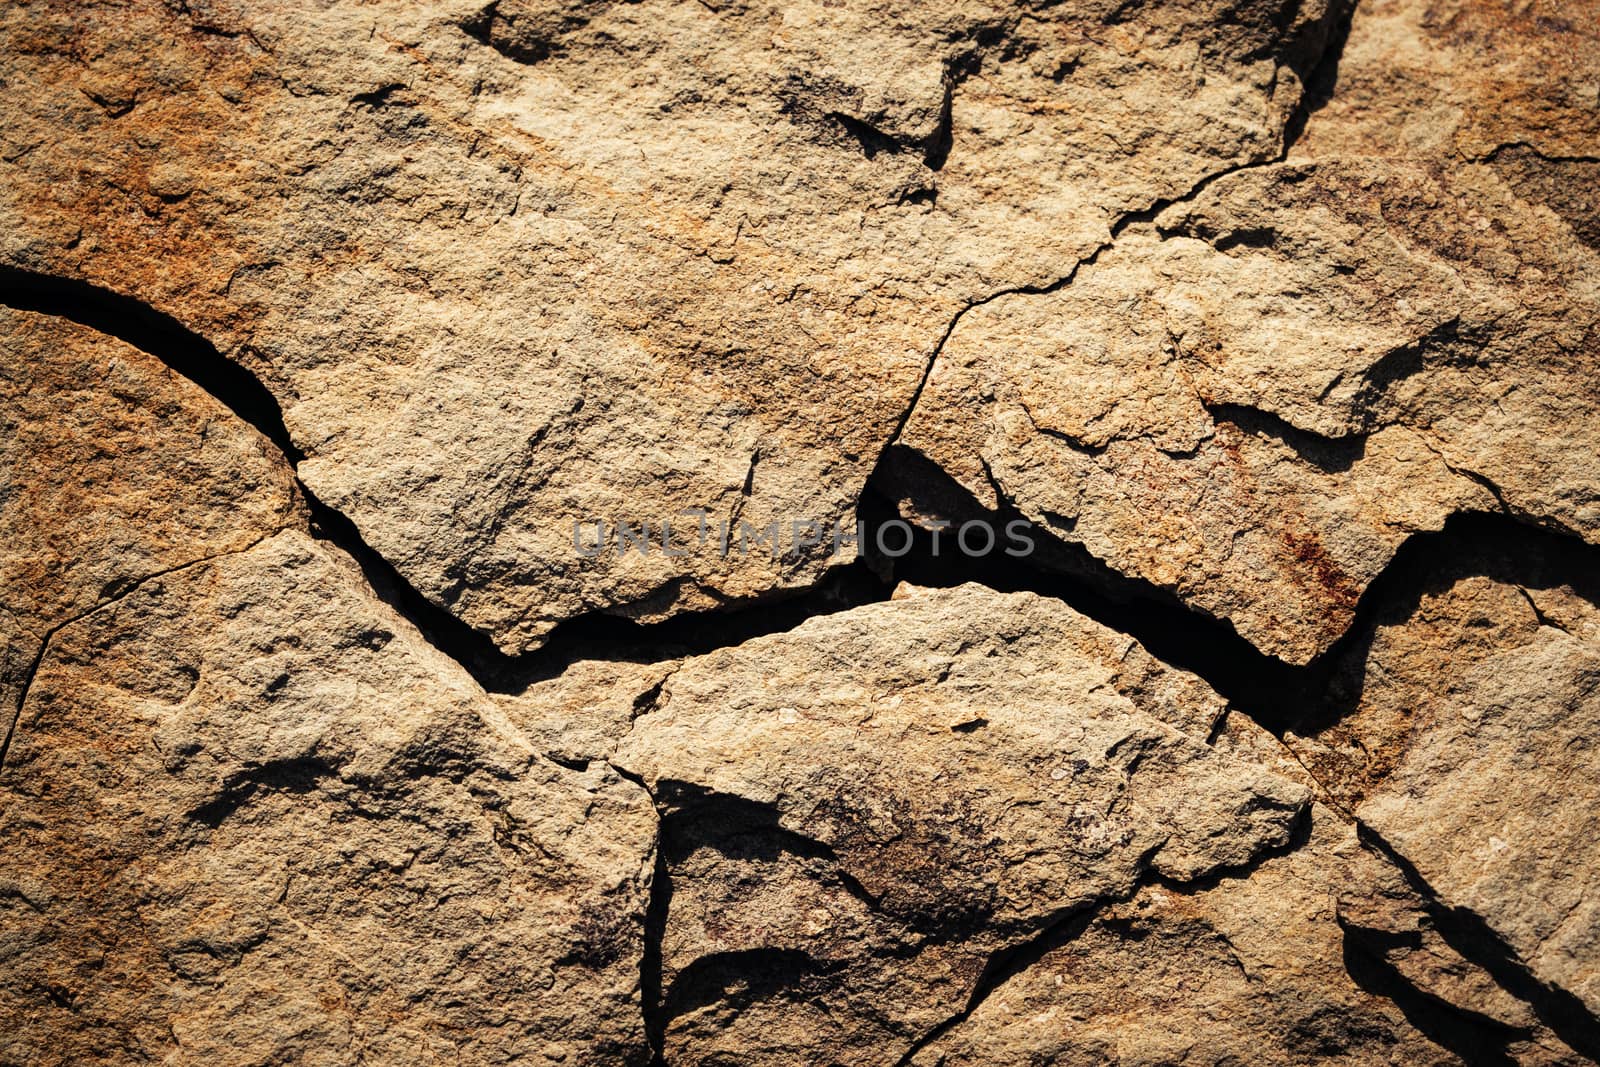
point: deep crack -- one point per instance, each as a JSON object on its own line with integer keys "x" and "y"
{"x": 1468, "y": 934}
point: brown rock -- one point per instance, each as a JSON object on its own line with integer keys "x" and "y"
{"x": 513, "y": 267}
{"x": 1467, "y": 755}
{"x": 1293, "y": 330}
{"x": 249, "y": 816}
{"x": 116, "y": 469}
{"x": 1256, "y": 405}
{"x": 862, "y": 814}
{"x": 1246, "y": 969}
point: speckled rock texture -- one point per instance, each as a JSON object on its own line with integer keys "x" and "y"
{"x": 488, "y": 515}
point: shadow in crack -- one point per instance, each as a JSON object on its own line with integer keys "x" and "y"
{"x": 1316, "y": 63}
{"x": 157, "y": 334}
{"x": 1469, "y": 935}
{"x": 1276, "y": 694}
{"x": 1476, "y": 1038}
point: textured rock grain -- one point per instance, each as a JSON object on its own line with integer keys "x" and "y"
{"x": 112, "y": 469}
{"x": 250, "y": 817}
{"x": 508, "y": 268}
{"x": 862, "y": 814}
{"x": 1255, "y": 401}
{"x": 1245, "y": 969}
{"x": 325, "y": 321}
{"x": 1469, "y": 752}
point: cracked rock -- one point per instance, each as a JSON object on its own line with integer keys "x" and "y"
{"x": 513, "y": 267}
{"x": 1476, "y": 79}
{"x": 1467, "y": 753}
{"x": 1254, "y": 406}
{"x": 862, "y": 815}
{"x": 115, "y": 469}
{"x": 249, "y": 816}
{"x": 450, "y": 456}
{"x": 1247, "y": 968}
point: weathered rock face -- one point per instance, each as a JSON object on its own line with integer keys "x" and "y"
{"x": 1478, "y": 81}
{"x": 1254, "y": 402}
{"x": 846, "y": 860}
{"x": 250, "y": 817}
{"x": 333, "y": 330}
{"x": 1469, "y": 754}
{"x": 115, "y": 469}
{"x": 1304, "y": 365}
{"x": 512, "y": 267}
{"x": 1240, "y": 970}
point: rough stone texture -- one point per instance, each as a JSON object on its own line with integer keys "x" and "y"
{"x": 845, "y": 860}
{"x": 1477, "y": 81}
{"x": 250, "y": 817}
{"x": 584, "y": 712}
{"x": 112, "y": 469}
{"x": 1254, "y": 402}
{"x": 507, "y": 267}
{"x": 1278, "y": 322}
{"x": 1240, "y": 970}
{"x": 1386, "y": 918}
{"x": 1470, "y": 752}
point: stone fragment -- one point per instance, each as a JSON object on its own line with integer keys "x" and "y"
{"x": 1463, "y": 80}
{"x": 1254, "y": 406}
{"x": 1468, "y": 753}
{"x": 861, "y": 815}
{"x": 250, "y": 816}
{"x": 114, "y": 469}
{"x": 1247, "y": 968}
{"x": 583, "y": 712}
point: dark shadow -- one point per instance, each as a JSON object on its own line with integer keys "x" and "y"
{"x": 1470, "y": 936}
{"x": 872, "y": 140}
{"x": 295, "y": 776}
{"x": 1479, "y": 1040}
{"x": 157, "y": 334}
{"x": 1332, "y": 455}
{"x": 1319, "y": 75}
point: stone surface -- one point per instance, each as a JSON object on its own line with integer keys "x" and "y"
{"x": 1254, "y": 406}
{"x": 112, "y": 469}
{"x": 249, "y": 816}
{"x": 583, "y": 713}
{"x": 1477, "y": 81}
{"x": 1398, "y": 928}
{"x": 514, "y": 266}
{"x": 1276, "y": 318}
{"x": 1240, "y": 970}
{"x": 1469, "y": 752}
{"x": 862, "y": 814}
{"x": 1254, "y": 401}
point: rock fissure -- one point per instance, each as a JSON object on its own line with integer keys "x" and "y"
{"x": 1476, "y": 941}
{"x": 1006, "y": 964}
{"x": 1274, "y": 693}
{"x": 1256, "y": 682}
{"x": 1261, "y": 331}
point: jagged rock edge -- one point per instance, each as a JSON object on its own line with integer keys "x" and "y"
{"x": 447, "y": 633}
{"x": 1476, "y": 941}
